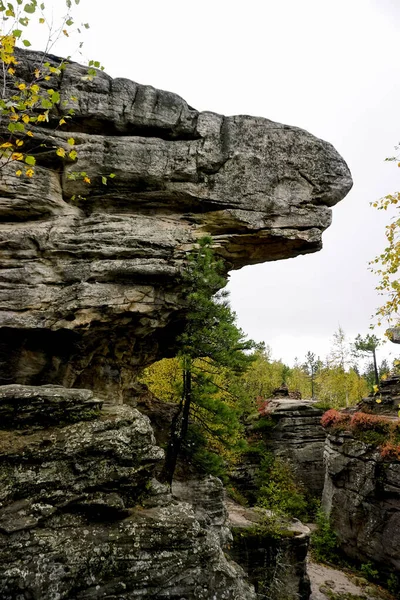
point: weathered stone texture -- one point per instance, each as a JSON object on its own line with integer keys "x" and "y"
{"x": 88, "y": 273}
{"x": 81, "y": 516}
{"x": 273, "y": 553}
{"x": 293, "y": 432}
{"x": 362, "y": 497}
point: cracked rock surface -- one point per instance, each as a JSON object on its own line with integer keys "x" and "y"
{"x": 88, "y": 273}
{"x": 362, "y": 497}
{"x": 81, "y": 516}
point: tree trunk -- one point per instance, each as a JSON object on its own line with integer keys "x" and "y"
{"x": 179, "y": 426}
{"x": 375, "y": 368}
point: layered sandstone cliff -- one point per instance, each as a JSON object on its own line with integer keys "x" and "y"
{"x": 88, "y": 273}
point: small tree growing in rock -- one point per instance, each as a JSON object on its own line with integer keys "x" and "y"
{"x": 210, "y": 333}
{"x": 366, "y": 346}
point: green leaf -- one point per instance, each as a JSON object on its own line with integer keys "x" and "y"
{"x": 11, "y": 127}
{"x": 103, "y": 180}
{"x": 30, "y": 160}
{"x": 77, "y": 2}
{"x": 69, "y": 22}
{"x": 30, "y": 8}
{"x": 71, "y": 141}
{"x": 42, "y": 6}
{"x": 111, "y": 175}
{"x": 24, "y": 21}
{"x": 26, "y": 43}
{"x": 73, "y": 155}
{"x": 46, "y": 103}
{"x": 17, "y": 33}
{"x": 68, "y": 3}
{"x": 86, "y": 25}
{"x": 19, "y": 126}
{"x": 55, "y": 97}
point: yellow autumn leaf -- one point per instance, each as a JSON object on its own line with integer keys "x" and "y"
{"x": 17, "y": 156}
{"x": 62, "y": 122}
{"x": 47, "y": 78}
{"x": 60, "y": 152}
{"x": 29, "y": 172}
{"x": 36, "y": 73}
{"x": 22, "y": 86}
{"x": 378, "y": 400}
{"x": 11, "y": 71}
{"x": 71, "y": 141}
{"x": 26, "y": 119}
{"x": 41, "y": 118}
{"x": 35, "y": 88}
{"x": 29, "y": 133}
{"x": 6, "y": 145}
{"x": 19, "y": 142}
{"x": 18, "y": 173}
{"x": 86, "y": 179}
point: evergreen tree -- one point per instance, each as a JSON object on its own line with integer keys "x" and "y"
{"x": 210, "y": 334}
{"x": 366, "y": 347}
{"x": 312, "y": 365}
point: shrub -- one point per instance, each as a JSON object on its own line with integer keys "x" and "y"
{"x": 367, "y": 569}
{"x": 390, "y": 450}
{"x": 263, "y": 406}
{"x": 363, "y": 422}
{"x": 324, "y": 541}
{"x": 277, "y": 488}
{"x": 335, "y": 419}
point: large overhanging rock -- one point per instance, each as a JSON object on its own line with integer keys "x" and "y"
{"x": 88, "y": 279}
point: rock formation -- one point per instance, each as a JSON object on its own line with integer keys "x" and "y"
{"x": 291, "y": 429}
{"x": 90, "y": 292}
{"x": 362, "y": 497}
{"x": 81, "y": 516}
{"x": 273, "y": 555}
{"x": 89, "y": 288}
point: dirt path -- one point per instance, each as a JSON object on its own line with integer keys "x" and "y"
{"x": 340, "y": 586}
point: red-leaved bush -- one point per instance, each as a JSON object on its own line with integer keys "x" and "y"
{"x": 263, "y": 406}
{"x": 363, "y": 422}
{"x": 390, "y": 450}
{"x": 336, "y": 419}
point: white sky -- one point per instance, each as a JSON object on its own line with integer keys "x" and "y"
{"x": 329, "y": 67}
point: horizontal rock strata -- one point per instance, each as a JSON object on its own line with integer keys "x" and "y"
{"x": 88, "y": 273}
{"x": 292, "y": 430}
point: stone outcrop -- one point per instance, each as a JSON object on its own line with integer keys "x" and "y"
{"x": 362, "y": 498}
{"x": 386, "y": 401}
{"x": 81, "y": 516}
{"x": 273, "y": 553}
{"x": 291, "y": 429}
{"x": 89, "y": 287}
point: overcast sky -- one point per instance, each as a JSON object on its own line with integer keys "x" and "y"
{"x": 328, "y": 67}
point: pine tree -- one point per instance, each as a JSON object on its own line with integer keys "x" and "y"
{"x": 367, "y": 346}
{"x": 210, "y": 334}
